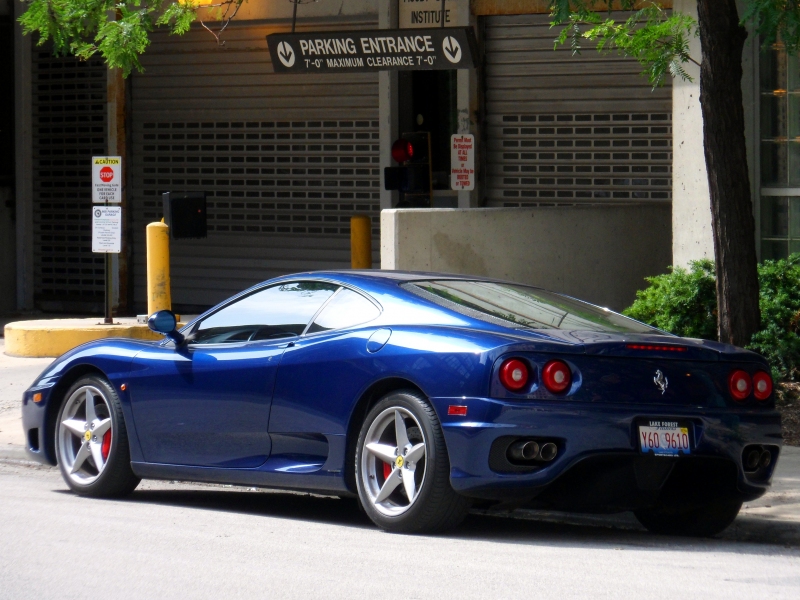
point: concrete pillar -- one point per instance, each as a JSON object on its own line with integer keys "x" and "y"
{"x": 23, "y": 151}
{"x": 692, "y": 237}
{"x": 387, "y": 104}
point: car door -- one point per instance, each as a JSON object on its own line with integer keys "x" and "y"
{"x": 322, "y": 373}
{"x": 207, "y": 402}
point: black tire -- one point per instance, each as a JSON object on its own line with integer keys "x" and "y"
{"x": 436, "y": 506}
{"x": 705, "y": 520}
{"x": 116, "y": 478}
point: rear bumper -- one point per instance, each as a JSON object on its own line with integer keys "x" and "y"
{"x": 603, "y": 437}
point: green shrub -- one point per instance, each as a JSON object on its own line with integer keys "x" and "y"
{"x": 779, "y": 299}
{"x": 684, "y": 302}
{"x": 681, "y": 302}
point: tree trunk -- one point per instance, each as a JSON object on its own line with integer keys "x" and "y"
{"x": 722, "y": 40}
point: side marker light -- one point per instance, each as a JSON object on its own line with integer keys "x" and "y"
{"x": 123, "y": 387}
{"x": 37, "y": 397}
{"x": 457, "y": 411}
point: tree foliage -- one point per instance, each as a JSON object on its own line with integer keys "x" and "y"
{"x": 659, "y": 39}
{"x": 119, "y": 30}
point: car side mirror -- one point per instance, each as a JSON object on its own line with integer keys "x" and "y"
{"x": 165, "y": 323}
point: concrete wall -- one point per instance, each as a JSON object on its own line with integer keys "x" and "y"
{"x": 596, "y": 253}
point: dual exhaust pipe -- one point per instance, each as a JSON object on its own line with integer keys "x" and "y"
{"x": 529, "y": 450}
{"x": 756, "y": 458}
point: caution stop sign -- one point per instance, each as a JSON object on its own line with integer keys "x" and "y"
{"x": 106, "y": 179}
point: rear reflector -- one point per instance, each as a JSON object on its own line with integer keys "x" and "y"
{"x": 656, "y": 348}
{"x": 457, "y": 411}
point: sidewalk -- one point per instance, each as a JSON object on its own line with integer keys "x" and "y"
{"x": 780, "y": 508}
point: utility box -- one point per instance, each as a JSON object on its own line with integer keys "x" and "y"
{"x": 185, "y": 214}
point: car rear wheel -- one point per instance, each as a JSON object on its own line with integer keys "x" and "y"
{"x": 402, "y": 468}
{"x": 92, "y": 441}
{"x": 701, "y": 521}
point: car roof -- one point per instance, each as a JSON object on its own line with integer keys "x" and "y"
{"x": 381, "y": 274}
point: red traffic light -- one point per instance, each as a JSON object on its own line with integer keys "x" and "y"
{"x": 402, "y": 151}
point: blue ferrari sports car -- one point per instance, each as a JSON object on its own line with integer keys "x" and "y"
{"x": 420, "y": 394}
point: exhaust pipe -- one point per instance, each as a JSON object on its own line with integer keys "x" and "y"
{"x": 548, "y": 452}
{"x": 523, "y": 450}
{"x": 766, "y": 459}
{"x": 752, "y": 458}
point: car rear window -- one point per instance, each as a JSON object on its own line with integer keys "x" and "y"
{"x": 523, "y": 307}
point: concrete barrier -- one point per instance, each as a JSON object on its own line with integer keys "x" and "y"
{"x": 598, "y": 253}
{"x": 54, "y": 337}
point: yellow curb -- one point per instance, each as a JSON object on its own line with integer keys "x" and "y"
{"x": 54, "y": 337}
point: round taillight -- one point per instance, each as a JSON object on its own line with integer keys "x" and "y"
{"x": 556, "y": 376}
{"x": 762, "y": 385}
{"x": 402, "y": 150}
{"x": 740, "y": 384}
{"x": 514, "y": 374}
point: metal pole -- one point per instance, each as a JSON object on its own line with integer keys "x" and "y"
{"x": 294, "y": 14}
{"x": 443, "y": 1}
{"x": 109, "y": 290}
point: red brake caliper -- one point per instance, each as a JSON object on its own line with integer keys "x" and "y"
{"x": 106, "y": 448}
{"x": 387, "y": 470}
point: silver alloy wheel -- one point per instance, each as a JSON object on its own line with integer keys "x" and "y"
{"x": 84, "y": 434}
{"x": 392, "y": 466}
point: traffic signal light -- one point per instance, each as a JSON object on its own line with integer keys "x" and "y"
{"x": 413, "y": 178}
{"x": 186, "y": 215}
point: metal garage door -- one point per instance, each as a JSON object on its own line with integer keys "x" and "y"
{"x": 286, "y": 160}
{"x": 68, "y": 119}
{"x": 564, "y": 129}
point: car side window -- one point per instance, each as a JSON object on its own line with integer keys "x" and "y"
{"x": 279, "y": 311}
{"x": 346, "y": 309}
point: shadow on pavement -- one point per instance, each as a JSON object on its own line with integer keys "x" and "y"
{"x": 520, "y": 527}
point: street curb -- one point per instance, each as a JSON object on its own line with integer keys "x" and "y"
{"x": 14, "y": 452}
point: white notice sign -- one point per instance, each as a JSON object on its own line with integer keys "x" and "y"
{"x": 106, "y": 179}
{"x": 426, "y": 13}
{"x": 107, "y": 229}
{"x": 462, "y": 162}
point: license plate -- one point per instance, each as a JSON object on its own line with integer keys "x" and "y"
{"x": 664, "y": 438}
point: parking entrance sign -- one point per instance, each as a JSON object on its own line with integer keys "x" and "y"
{"x": 107, "y": 229}
{"x": 106, "y": 179}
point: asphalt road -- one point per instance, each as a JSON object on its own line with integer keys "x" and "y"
{"x": 171, "y": 540}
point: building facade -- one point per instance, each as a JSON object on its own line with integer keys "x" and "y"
{"x": 287, "y": 159}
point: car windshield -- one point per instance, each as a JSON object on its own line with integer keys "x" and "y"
{"x": 525, "y": 307}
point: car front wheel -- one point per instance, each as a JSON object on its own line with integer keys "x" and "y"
{"x": 92, "y": 441}
{"x": 403, "y": 470}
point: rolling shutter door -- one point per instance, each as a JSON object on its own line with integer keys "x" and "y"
{"x": 286, "y": 160}
{"x": 69, "y": 127}
{"x": 564, "y": 129}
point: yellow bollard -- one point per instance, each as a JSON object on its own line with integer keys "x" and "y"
{"x": 360, "y": 242}
{"x": 158, "y": 285}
